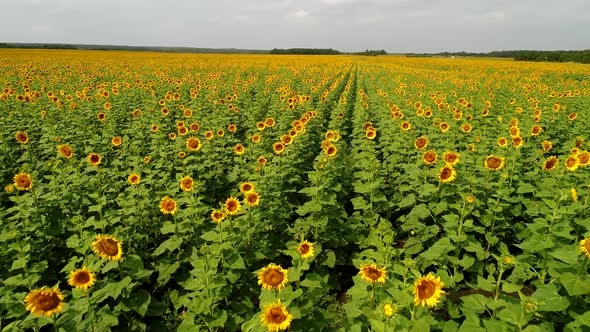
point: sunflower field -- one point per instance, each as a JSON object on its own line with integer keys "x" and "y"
{"x": 183, "y": 192}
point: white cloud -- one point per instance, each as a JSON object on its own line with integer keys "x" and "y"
{"x": 301, "y": 13}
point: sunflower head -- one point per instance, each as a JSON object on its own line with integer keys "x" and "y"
{"x": 232, "y": 206}
{"x": 278, "y": 147}
{"x": 22, "y": 138}
{"x": 239, "y": 149}
{"x": 429, "y": 157}
{"x": 108, "y": 247}
{"x": 81, "y": 278}
{"x": 550, "y": 163}
{"x": 421, "y": 142}
{"x": 44, "y": 301}
{"x": 276, "y": 317}
{"x": 186, "y": 183}
{"x": 451, "y": 158}
{"x": 168, "y": 205}
{"x": 246, "y": 187}
{"x": 134, "y": 179}
{"x": 94, "y": 159}
{"x": 252, "y": 198}
{"x": 65, "y": 151}
{"x": 272, "y": 277}
{"x": 23, "y": 181}
{"x": 306, "y": 249}
{"x": 217, "y": 216}
{"x": 494, "y": 163}
{"x": 372, "y": 274}
{"x": 116, "y": 141}
{"x": 389, "y": 310}
{"x": 330, "y": 150}
{"x": 428, "y": 290}
{"x": 585, "y": 246}
{"x": 447, "y": 174}
{"x": 262, "y": 161}
{"x": 572, "y": 163}
{"x": 193, "y": 144}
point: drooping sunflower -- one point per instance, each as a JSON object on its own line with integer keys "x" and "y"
{"x": 494, "y": 163}
{"x": 278, "y": 147}
{"x": 232, "y": 206}
{"x": 273, "y": 276}
{"x": 81, "y": 278}
{"x": 94, "y": 159}
{"x": 585, "y": 246}
{"x": 186, "y": 183}
{"x": 306, "y": 249}
{"x": 246, "y": 187}
{"x": 428, "y": 291}
{"x": 572, "y": 163}
{"x": 23, "y": 181}
{"x": 134, "y": 179}
{"x": 239, "y": 149}
{"x": 429, "y": 157}
{"x": 116, "y": 141}
{"x": 217, "y": 216}
{"x": 193, "y": 144}
{"x": 168, "y": 205}
{"x": 421, "y": 142}
{"x": 44, "y": 301}
{"x": 108, "y": 247}
{"x": 372, "y": 274}
{"x": 447, "y": 174}
{"x": 22, "y": 138}
{"x": 65, "y": 151}
{"x": 276, "y": 317}
{"x": 252, "y": 198}
{"x": 451, "y": 158}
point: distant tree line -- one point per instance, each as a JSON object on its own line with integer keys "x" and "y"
{"x": 131, "y": 48}
{"x": 522, "y": 55}
{"x": 308, "y": 51}
{"x": 371, "y": 52}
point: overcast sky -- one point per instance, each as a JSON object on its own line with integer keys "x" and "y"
{"x": 346, "y": 25}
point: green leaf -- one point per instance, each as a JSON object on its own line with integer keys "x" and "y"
{"x": 407, "y": 201}
{"x": 330, "y": 260}
{"x": 139, "y": 301}
{"x": 438, "y": 249}
{"x": 112, "y": 289}
{"x": 547, "y": 299}
{"x": 171, "y": 244}
{"x": 574, "y": 284}
{"x": 236, "y": 262}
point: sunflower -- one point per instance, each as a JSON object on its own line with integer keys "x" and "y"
{"x": 428, "y": 290}
{"x": 331, "y": 150}
{"x": 181, "y": 154}
{"x": 134, "y": 179}
{"x": 44, "y": 301}
{"x": 389, "y": 310}
{"x": 81, "y": 278}
{"x": 193, "y": 144}
{"x": 466, "y": 128}
{"x": 116, "y": 141}
{"x": 536, "y": 130}
{"x": 572, "y": 163}
{"x": 22, "y": 138}
{"x": 246, "y": 187}
{"x": 585, "y": 246}
{"x": 217, "y": 216}
{"x": 286, "y": 139}
{"x": 421, "y": 142}
{"x": 502, "y": 142}
{"x": 373, "y": 274}
{"x": 220, "y": 133}
{"x": 514, "y": 132}
{"x": 273, "y": 277}
{"x": 444, "y": 127}
{"x": 9, "y": 189}
{"x": 256, "y": 138}
{"x": 94, "y": 159}
{"x": 186, "y": 183}
{"x": 406, "y": 126}
{"x": 447, "y": 174}
{"x": 168, "y": 205}
{"x": 278, "y": 147}
{"x": 232, "y": 128}
{"x": 584, "y": 158}
{"x": 23, "y": 181}
{"x": 147, "y": 159}
{"x": 572, "y": 116}
{"x": 155, "y": 128}
{"x": 209, "y": 135}
{"x": 269, "y": 122}
{"x": 195, "y": 126}
{"x": 574, "y": 194}
{"x": 451, "y": 158}
{"x": 108, "y": 247}
{"x": 101, "y": 116}
{"x": 429, "y": 157}
{"x": 239, "y": 149}
{"x": 260, "y": 126}
{"x": 65, "y": 151}
{"x": 494, "y": 163}
{"x": 182, "y": 131}
{"x": 276, "y": 317}
{"x": 262, "y": 161}
{"x": 550, "y": 163}
{"x": 252, "y": 198}
{"x": 517, "y": 142}
{"x": 306, "y": 249}
{"x": 547, "y": 145}
{"x": 371, "y": 133}
{"x": 231, "y": 206}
